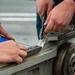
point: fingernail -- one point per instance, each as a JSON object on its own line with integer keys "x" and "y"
{"x": 45, "y": 23}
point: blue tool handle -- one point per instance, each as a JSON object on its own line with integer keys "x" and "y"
{"x": 3, "y": 39}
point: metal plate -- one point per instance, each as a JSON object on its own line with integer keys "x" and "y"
{"x": 33, "y": 50}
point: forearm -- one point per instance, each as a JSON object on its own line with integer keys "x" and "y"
{"x": 71, "y": 3}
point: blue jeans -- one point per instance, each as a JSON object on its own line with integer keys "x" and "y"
{"x": 38, "y": 25}
{"x": 39, "y": 21}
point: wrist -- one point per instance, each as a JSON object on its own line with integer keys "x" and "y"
{"x": 71, "y": 3}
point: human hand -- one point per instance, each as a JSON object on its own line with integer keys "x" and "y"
{"x": 11, "y": 51}
{"x": 59, "y": 17}
{"x": 43, "y": 6}
{"x": 3, "y": 32}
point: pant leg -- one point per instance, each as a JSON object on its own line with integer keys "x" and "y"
{"x": 38, "y": 25}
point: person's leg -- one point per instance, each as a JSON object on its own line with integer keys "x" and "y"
{"x": 38, "y": 25}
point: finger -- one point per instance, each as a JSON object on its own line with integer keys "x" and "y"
{"x": 22, "y": 47}
{"x": 19, "y": 60}
{"x": 54, "y": 28}
{"x": 63, "y": 27}
{"x": 3, "y": 32}
{"x": 49, "y": 7}
{"x": 48, "y": 10}
{"x": 22, "y": 53}
{"x": 40, "y": 9}
{"x": 49, "y": 27}
{"x": 60, "y": 27}
{"x": 48, "y": 18}
{"x": 41, "y": 14}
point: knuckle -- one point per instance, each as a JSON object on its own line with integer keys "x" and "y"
{"x": 15, "y": 44}
{"x": 22, "y": 46}
{"x": 20, "y": 60}
{"x": 53, "y": 19}
{"x": 25, "y": 54}
{"x": 12, "y": 42}
{"x": 48, "y": 29}
{"x": 39, "y": 11}
{"x": 14, "y": 57}
{"x": 58, "y": 22}
{"x": 25, "y": 47}
{"x": 65, "y": 24}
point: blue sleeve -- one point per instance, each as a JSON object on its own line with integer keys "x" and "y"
{"x": 3, "y": 38}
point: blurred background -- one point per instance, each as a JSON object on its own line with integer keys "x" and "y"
{"x": 18, "y": 17}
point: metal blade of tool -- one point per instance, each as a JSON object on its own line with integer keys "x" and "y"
{"x": 33, "y": 50}
{"x": 41, "y": 42}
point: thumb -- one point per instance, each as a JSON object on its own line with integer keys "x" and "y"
{"x": 49, "y": 8}
{"x": 47, "y": 20}
{"x": 3, "y": 32}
